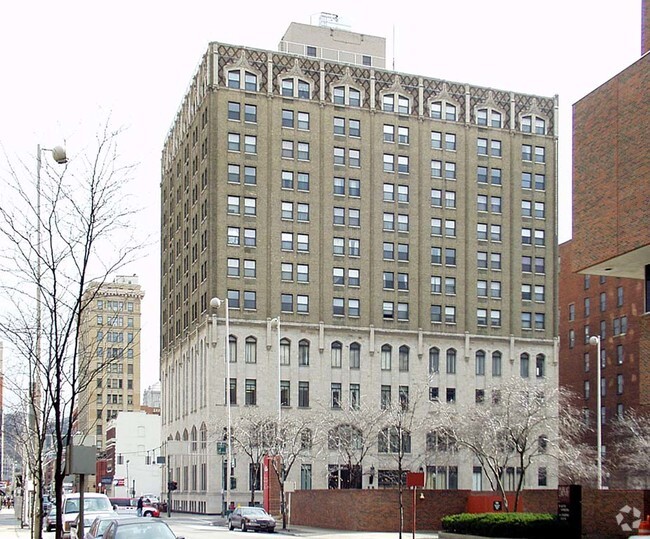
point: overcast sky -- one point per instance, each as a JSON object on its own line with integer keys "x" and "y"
{"x": 68, "y": 65}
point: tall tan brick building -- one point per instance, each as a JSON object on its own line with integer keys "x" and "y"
{"x": 401, "y": 227}
{"x": 109, "y": 354}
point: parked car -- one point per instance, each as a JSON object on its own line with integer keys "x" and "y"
{"x": 89, "y": 518}
{"x": 139, "y": 528}
{"x": 100, "y": 524}
{"x": 130, "y": 506}
{"x": 93, "y": 502}
{"x": 49, "y": 522}
{"x": 251, "y": 518}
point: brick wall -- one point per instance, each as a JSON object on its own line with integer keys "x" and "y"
{"x": 378, "y": 510}
{"x": 611, "y": 168}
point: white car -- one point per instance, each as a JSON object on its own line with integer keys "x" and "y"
{"x": 93, "y": 503}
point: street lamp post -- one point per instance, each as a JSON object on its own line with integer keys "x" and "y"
{"x": 59, "y": 155}
{"x": 595, "y": 340}
{"x": 216, "y": 303}
{"x": 277, "y": 322}
{"x": 127, "y": 478}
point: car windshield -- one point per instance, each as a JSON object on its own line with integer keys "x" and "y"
{"x": 253, "y": 511}
{"x": 90, "y": 504}
{"x": 144, "y": 530}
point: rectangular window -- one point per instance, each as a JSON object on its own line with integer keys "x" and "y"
{"x": 303, "y": 394}
{"x": 436, "y": 140}
{"x": 251, "y": 392}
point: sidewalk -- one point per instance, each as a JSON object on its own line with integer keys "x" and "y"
{"x": 10, "y": 526}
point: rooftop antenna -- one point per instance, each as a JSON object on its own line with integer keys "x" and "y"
{"x": 393, "y": 47}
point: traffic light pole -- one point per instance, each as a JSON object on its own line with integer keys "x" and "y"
{"x": 169, "y": 490}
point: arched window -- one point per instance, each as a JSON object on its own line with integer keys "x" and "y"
{"x": 524, "y": 365}
{"x": 295, "y": 87}
{"x": 396, "y": 103}
{"x": 496, "y": 363}
{"x": 193, "y": 440}
{"x": 303, "y": 352}
{"x": 285, "y": 351}
{"x": 250, "y": 351}
{"x": 386, "y": 353}
{"x": 540, "y": 366}
{"x": 232, "y": 349}
{"x": 337, "y": 353}
{"x": 389, "y": 440}
{"x": 404, "y": 358}
{"x": 443, "y": 110}
{"x": 186, "y": 435}
{"x": 203, "y": 434}
{"x": 434, "y": 360}
{"x": 489, "y": 117}
{"x": 242, "y": 79}
{"x": 355, "y": 355}
{"x": 451, "y": 361}
{"x": 530, "y": 123}
{"x": 346, "y": 95}
{"x": 480, "y": 363}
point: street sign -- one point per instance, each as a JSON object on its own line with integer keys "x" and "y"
{"x": 221, "y": 448}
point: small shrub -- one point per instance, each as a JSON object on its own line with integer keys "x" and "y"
{"x": 516, "y": 525}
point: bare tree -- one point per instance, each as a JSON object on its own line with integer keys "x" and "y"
{"x": 255, "y": 436}
{"x": 632, "y": 447}
{"x": 59, "y": 233}
{"x": 399, "y": 421}
{"x": 293, "y": 438}
{"x": 521, "y": 423}
{"x": 352, "y": 438}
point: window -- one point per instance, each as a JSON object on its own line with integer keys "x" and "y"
{"x": 303, "y": 353}
{"x": 619, "y": 384}
{"x": 434, "y": 360}
{"x": 251, "y": 392}
{"x": 303, "y": 151}
{"x": 451, "y": 394}
{"x": 338, "y": 306}
{"x": 234, "y": 111}
{"x": 234, "y": 142}
{"x": 450, "y": 170}
{"x": 526, "y": 152}
{"x": 386, "y": 353}
{"x": 436, "y": 313}
{"x": 345, "y": 95}
{"x": 402, "y": 164}
{"x": 303, "y": 121}
{"x": 540, "y": 154}
{"x": 250, "y": 113}
{"x": 403, "y": 358}
{"x": 288, "y": 118}
{"x": 303, "y": 394}
{"x": 403, "y": 135}
{"x": 336, "y": 354}
{"x": 495, "y": 148}
{"x": 481, "y": 317}
{"x": 250, "y": 299}
{"x": 250, "y": 237}
{"x": 389, "y": 162}
{"x": 354, "y": 128}
{"x": 436, "y": 140}
{"x": 496, "y": 363}
{"x": 295, "y": 87}
{"x": 482, "y": 146}
{"x": 451, "y": 361}
{"x": 250, "y": 206}
{"x": 336, "y": 395}
{"x": 540, "y": 366}
{"x": 250, "y": 350}
{"x": 488, "y": 117}
{"x": 385, "y": 397}
{"x": 388, "y": 310}
{"x": 442, "y": 110}
{"x": 354, "y": 158}
{"x": 524, "y": 365}
{"x": 479, "y": 363}
{"x": 450, "y": 141}
{"x": 603, "y": 301}
{"x": 355, "y": 355}
{"x": 285, "y": 392}
{"x": 436, "y": 168}
{"x": 250, "y": 144}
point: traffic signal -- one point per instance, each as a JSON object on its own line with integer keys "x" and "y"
{"x": 172, "y": 485}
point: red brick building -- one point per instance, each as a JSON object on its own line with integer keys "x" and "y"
{"x": 605, "y": 269}
{"x": 610, "y": 307}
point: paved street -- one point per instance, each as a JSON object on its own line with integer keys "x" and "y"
{"x": 200, "y": 526}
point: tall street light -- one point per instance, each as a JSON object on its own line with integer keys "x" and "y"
{"x": 595, "y": 340}
{"x": 216, "y": 303}
{"x": 276, "y": 321}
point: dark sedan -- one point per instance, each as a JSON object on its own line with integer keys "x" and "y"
{"x": 251, "y": 518}
{"x": 139, "y": 528}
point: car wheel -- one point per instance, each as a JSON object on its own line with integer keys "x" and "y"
{"x": 148, "y": 514}
{"x": 243, "y": 526}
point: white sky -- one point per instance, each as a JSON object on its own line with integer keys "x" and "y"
{"x": 68, "y": 65}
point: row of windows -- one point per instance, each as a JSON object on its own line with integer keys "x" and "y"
{"x": 111, "y": 305}
{"x": 114, "y": 336}
{"x": 620, "y": 380}
{"x": 602, "y": 303}
{"x": 117, "y": 321}
{"x": 390, "y": 102}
